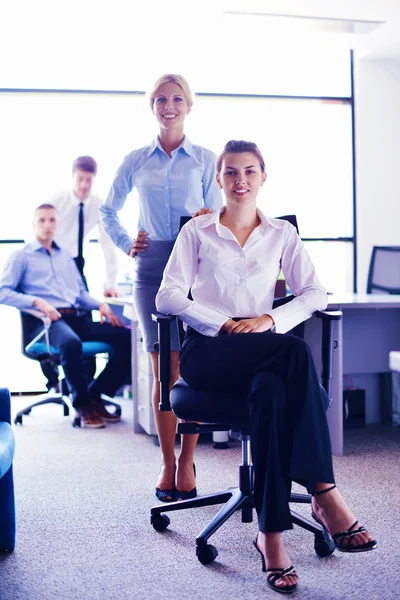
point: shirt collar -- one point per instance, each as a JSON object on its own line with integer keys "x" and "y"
{"x": 36, "y": 245}
{"x": 206, "y": 220}
{"x": 186, "y": 145}
{"x": 75, "y": 201}
{"x": 213, "y": 218}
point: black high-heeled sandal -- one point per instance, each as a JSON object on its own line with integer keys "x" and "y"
{"x": 166, "y": 495}
{"x": 182, "y": 495}
{"x": 341, "y": 536}
{"x": 279, "y": 573}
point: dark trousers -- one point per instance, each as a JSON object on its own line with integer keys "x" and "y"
{"x": 275, "y": 375}
{"x": 67, "y": 335}
{"x": 50, "y": 371}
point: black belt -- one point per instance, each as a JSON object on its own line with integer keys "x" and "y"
{"x": 71, "y": 310}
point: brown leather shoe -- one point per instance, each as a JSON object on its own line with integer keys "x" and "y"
{"x": 89, "y": 418}
{"x": 102, "y": 412}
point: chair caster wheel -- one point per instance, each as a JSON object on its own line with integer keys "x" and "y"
{"x": 18, "y": 420}
{"x": 323, "y": 544}
{"x": 76, "y": 422}
{"x": 66, "y": 411}
{"x": 206, "y": 554}
{"x": 160, "y": 522}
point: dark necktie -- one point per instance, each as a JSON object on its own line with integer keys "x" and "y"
{"x": 80, "y": 261}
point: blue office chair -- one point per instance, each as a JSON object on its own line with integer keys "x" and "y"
{"x": 7, "y": 501}
{"x": 40, "y": 349}
{"x": 216, "y": 412}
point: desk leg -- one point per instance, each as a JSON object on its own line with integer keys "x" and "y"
{"x": 335, "y": 412}
{"x": 134, "y": 374}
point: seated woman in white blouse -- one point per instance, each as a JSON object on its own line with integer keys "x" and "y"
{"x": 230, "y": 261}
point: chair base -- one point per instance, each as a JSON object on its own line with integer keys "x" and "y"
{"x": 233, "y": 499}
{"x": 49, "y": 398}
{"x": 64, "y": 401}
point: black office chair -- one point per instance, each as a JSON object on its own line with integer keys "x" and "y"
{"x": 217, "y": 412}
{"x": 40, "y": 349}
{"x": 384, "y": 270}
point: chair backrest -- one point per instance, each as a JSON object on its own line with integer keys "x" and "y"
{"x": 384, "y": 270}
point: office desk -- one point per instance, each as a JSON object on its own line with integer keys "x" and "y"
{"x": 141, "y": 370}
{"x": 369, "y": 330}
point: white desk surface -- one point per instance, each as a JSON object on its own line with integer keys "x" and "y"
{"x": 394, "y": 361}
{"x": 120, "y": 300}
{"x": 338, "y": 301}
{"x": 334, "y": 300}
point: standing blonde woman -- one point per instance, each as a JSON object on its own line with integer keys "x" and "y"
{"x": 174, "y": 178}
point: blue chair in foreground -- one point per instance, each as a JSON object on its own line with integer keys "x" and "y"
{"x": 7, "y": 502}
{"x": 40, "y": 349}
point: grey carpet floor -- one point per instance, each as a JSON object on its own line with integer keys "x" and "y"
{"x": 83, "y": 528}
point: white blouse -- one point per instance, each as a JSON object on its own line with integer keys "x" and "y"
{"x": 229, "y": 281}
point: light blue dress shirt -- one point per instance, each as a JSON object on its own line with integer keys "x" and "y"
{"x": 169, "y": 188}
{"x": 33, "y": 272}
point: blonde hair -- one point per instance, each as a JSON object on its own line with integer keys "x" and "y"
{"x": 171, "y": 78}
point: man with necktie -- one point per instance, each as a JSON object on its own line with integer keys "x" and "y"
{"x": 78, "y": 210}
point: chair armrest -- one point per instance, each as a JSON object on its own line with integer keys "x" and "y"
{"x": 328, "y": 344}
{"x": 39, "y": 315}
{"x": 45, "y": 331}
{"x": 5, "y": 405}
{"x": 329, "y": 315}
{"x": 164, "y": 350}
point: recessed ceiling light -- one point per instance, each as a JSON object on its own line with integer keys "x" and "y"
{"x": 301, "y": 23}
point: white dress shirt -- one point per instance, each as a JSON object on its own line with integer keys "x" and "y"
{"x": 67, "y": 204}
{"x": 229, "y": 281}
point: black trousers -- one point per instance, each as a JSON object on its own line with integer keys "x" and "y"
{"x": 274, "y": 374}
{"x": 67, "y": 335}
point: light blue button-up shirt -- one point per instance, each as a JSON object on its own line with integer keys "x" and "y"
{"x": 33, "y": 272}
{"x": 169, "y": 188}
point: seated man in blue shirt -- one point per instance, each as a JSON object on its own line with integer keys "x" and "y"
{"x": 44, "y": 276}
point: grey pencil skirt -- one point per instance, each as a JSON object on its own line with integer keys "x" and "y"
{"x": 147, "y": 275}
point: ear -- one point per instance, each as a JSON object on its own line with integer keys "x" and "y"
{"x": 264, "y": 177}
{"x": 218, "y": 180}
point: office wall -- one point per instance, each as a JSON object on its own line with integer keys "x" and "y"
{"x": 377, "y": 111}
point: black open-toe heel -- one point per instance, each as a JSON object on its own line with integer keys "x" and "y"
{"x": 166, "y": 495}
{"x": 276, "y": 574}
{"x": 181, "y": 495}
{"x": 343, "y": 539}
